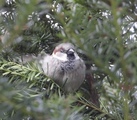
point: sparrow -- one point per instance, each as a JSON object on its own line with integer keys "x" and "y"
{"x": 65, "y": 67}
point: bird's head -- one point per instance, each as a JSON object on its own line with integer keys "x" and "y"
{"x": 65, "y": 52}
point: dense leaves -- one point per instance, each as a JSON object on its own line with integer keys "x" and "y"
{"x": 104, "y": 32}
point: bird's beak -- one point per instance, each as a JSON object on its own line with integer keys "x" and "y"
{"x": 70, "y": 54}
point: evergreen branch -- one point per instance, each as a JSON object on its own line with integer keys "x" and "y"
{"x": 93, "y": 110}
{"x": 29, "y": 74}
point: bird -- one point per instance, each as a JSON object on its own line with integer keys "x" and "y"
{"x": 65, "y": 67}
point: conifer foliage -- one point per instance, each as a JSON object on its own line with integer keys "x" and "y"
{"x": 104, "y": 32}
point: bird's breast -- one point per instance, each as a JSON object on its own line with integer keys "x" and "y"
{"x": 68, "y": 66}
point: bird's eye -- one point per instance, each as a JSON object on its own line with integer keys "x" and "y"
{"x": 62, "y": 50}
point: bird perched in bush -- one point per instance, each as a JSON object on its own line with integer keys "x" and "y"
{"x": 65, "y": 67}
